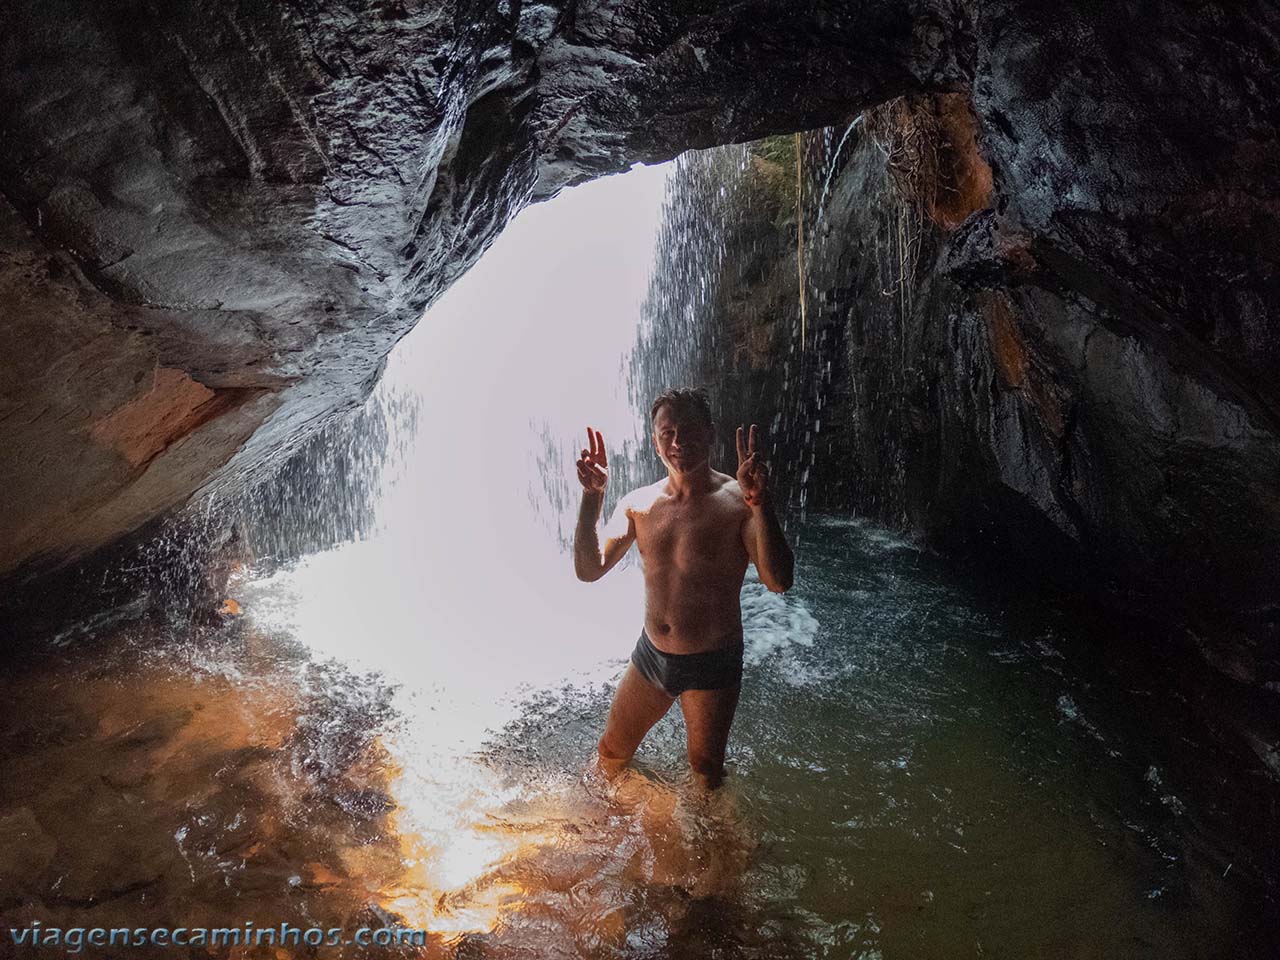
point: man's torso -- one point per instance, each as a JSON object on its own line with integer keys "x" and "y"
{"x": 694, "y": 562}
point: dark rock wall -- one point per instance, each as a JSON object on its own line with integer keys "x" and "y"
{"x": 1134, "y": 242}
{"x": 1057, "y": 375}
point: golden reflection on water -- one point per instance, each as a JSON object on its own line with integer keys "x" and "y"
{"x": 555, "y": 867}
{"x": 151, "y": 786}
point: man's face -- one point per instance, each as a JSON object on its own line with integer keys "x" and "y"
{"x": 683, "y": 441}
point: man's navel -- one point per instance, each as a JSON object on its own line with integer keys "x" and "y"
{"x": 664, "y": 628}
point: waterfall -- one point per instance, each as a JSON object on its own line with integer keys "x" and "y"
{"x": 726, "y": 310}
{"x": 678, "y": 343}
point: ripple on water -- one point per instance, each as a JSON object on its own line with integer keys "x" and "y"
{"x": 773, "y": 624}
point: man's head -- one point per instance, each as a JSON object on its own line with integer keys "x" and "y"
{"x": 682, "y": 429}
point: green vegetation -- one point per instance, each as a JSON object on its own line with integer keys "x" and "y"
{"x": 779, "y": 149}
{"x": 771, "y": 175}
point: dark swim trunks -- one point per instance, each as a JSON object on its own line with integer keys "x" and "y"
{"x": 675, "y": 673}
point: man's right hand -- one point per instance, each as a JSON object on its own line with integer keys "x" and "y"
{"x": 593, "y": 465}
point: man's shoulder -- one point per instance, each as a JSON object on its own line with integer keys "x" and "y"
{"x": 641, "y": 497}
{"x": 729, "y": 485}
{"x": 730, "y": 494}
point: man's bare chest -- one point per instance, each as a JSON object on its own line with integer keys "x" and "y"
{"x": 689, "y": 533}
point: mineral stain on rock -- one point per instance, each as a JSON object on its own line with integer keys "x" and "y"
{"x": 170, "y": 408}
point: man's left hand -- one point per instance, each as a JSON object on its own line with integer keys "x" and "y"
{"x": 753, "y": 475}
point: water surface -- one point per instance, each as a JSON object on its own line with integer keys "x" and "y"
{"x": 914, "y": 772}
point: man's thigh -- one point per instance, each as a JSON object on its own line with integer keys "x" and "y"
{"x": 637, "y": 706}
{"x": 708, "y": 715}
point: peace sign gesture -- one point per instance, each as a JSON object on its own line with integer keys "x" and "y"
{"x": 593, "y": 465}
{"x": 753, "y": 475}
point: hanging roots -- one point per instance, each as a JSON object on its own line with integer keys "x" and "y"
{"x": 930, "y": 143}
{"x": 907, "y": 132}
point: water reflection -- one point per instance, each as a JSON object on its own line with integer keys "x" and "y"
{"x": 153, "y": 783}
{"x": 911, "y": 774}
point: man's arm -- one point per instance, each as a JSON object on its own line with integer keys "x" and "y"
{"x": 768, "y": 548}
{"x": 589, "y": 561}
{"x": 761, "y": 532}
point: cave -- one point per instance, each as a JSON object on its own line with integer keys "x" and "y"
{"x": 1003, "y": 277}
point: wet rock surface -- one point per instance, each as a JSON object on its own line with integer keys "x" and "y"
{"x": 217, "y": 217}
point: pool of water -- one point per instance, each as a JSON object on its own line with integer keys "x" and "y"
{"x": 919, "y": 768}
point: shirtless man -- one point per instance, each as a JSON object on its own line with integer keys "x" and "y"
{"x": 696, "y": 531}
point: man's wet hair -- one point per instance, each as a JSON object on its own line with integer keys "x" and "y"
{"x": 685, "y": 401}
